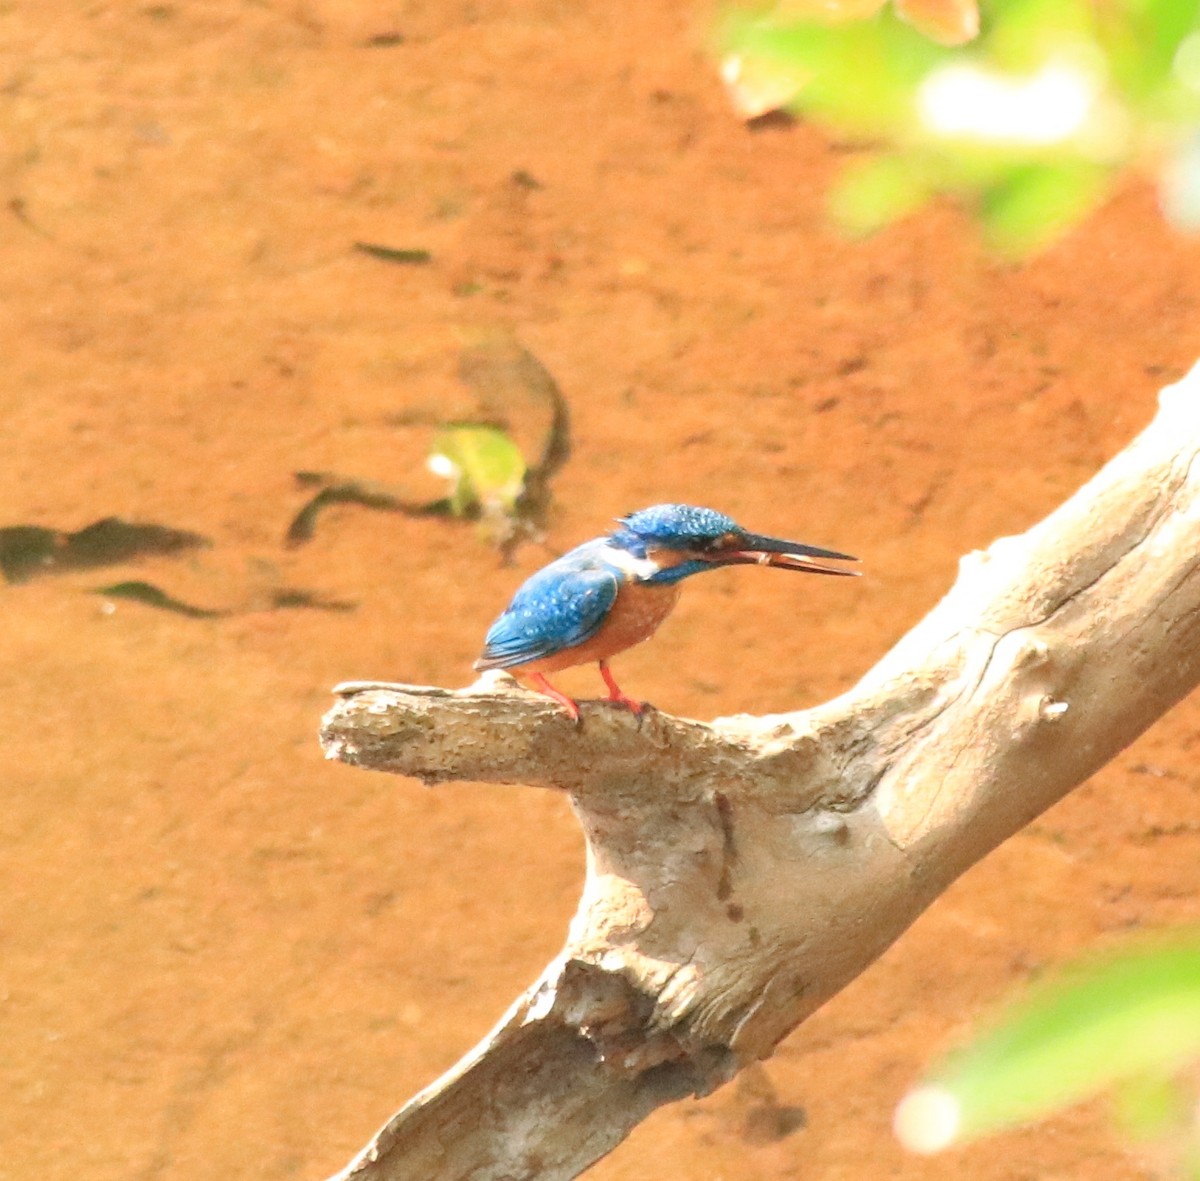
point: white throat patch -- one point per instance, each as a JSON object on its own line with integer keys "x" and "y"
{"x": 628, "y": 564}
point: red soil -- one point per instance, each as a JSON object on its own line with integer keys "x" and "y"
{"x": 221, "y": 956}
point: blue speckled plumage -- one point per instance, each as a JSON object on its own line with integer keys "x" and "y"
{"x": 676, "y": 524}
{"x": 560, "y": 606}
{"x": 608, "y": 594}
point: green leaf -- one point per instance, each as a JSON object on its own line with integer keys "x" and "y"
{"x": 1142, "y": 46}
{"x": 870, "y": 72}
{"x": 1150, "y": 1107}
{"x": 486, "y": 468}
{"x": 1039, "y": 202}
{"x": 1133, "y": 1016}
{"x": 878, "y": 191}
{"x": 859, "y": 76}
{"x": 1021, "y": 35}
{"x": 872, "y": 80}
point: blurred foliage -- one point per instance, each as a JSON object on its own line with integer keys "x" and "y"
{"x": 1030, "y": 122}
{"x": 515, "y": 392}
{"x": 498, "y": 453}
{"x": 485, "y": 468}
{"x": 1129, "y": 1024}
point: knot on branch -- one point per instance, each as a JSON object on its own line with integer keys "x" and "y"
{"x": 620, "y": 1020}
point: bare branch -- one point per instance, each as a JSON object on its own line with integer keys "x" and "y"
{"x": 741, "y": 873}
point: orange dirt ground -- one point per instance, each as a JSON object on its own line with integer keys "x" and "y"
{"x": 221, "y": 956}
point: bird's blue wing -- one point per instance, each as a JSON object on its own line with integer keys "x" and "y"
{"x": 557, "y": 608}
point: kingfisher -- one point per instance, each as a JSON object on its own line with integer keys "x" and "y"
{"x": 612, "y": 592}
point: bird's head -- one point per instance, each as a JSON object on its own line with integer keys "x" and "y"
{"x": 684, "y": 536}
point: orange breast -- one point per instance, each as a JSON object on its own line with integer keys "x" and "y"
{"x": 634, "y": 617}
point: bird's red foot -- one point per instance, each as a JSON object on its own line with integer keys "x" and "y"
{"x": 544, "y": 686}
{"x": 616, "y": 696}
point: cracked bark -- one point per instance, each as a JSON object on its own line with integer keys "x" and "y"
{"x": 741, "y": 873}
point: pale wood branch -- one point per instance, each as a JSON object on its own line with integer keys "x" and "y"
{"x": 741, "y": 873}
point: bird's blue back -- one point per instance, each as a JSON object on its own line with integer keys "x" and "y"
{"x": 560, "y": 606}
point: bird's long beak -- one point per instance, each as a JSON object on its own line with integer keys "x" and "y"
{"x": 751, "y": 548}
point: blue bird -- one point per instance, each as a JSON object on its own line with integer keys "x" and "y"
{"x": 608, "y": 594}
